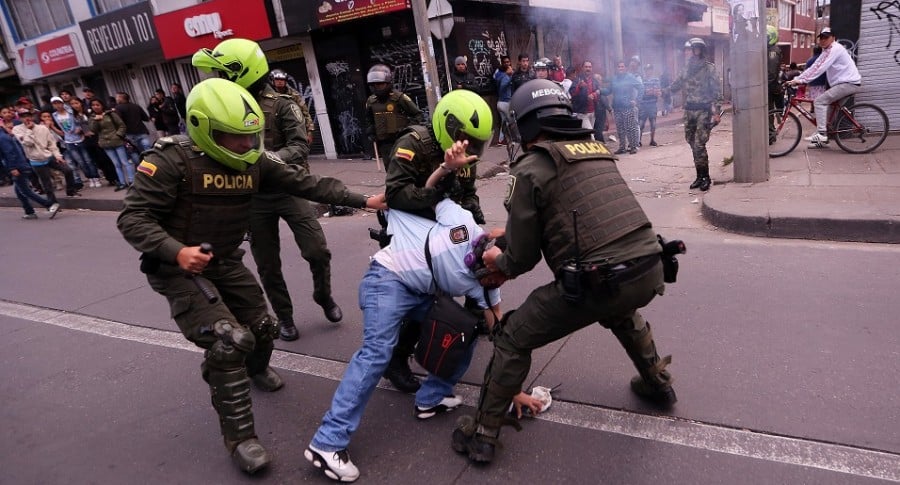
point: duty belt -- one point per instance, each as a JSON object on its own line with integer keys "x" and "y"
{"x": 608, "y": 278}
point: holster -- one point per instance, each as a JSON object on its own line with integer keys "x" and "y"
{"x": 606, "y": 280}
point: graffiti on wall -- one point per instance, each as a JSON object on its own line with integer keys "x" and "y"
{"x": 890, "y": 13}
{"x": 485, "y": 51}
{"x": 342, "y": 93}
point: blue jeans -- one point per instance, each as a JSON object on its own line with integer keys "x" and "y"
{"x": 385, "y": 302}
{"x": 141, "y": 144}
{"x": 78, "y": 157}
{"x": 24, "y": 192}
{"x": 119, "y": 157}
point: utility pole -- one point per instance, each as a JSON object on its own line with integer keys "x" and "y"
{"x": 426, "y": 53}
{"x": 617, "y": 30}
{"x": 750, "y": 99}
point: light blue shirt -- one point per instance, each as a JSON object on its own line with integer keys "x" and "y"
{"x": 449, "y": 240}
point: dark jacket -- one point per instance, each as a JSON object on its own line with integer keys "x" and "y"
{"x": 134, "y": 117}
{"x": 462, "y": 80}
{"x": 110, "y": 130}
{"x": 12, "y": 152}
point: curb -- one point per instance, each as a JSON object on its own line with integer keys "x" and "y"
{"x": 74, "y": 203}
{"x": 874, "y": 230}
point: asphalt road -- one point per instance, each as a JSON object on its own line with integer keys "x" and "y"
{"x": 784, "y": 352}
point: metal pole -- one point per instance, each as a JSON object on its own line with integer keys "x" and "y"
{"x": 617, "y": 30}
{"x": 750, "y": 99}
{"x": 426, "y": 53}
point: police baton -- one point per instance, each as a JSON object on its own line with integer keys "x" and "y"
{"x": 201, "y": 283}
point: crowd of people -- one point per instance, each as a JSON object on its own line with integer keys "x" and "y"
{"x": 71, "y": 143}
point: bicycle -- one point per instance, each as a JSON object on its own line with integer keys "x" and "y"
{"x": 855, "y": 127}
{"x": 511, "y": 147}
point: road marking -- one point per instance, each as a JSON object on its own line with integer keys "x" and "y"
{"x": 664, "y": 429}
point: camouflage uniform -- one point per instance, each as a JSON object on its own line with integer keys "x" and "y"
{"x": 387, "y": 116}
{"x": 702, "y": 90}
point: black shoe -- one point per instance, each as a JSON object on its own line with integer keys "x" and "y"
{"x": 332, "y": 311}
{"x": 661, "y": 396}
{"x": 401, "y": 377}
{"x": 620, "y": 151}
{"x": 705, "y": 182}
{"x": 696, "y": 183}
{"x": 473, "y": 446}
{"x": 120, "y": 187}
{"x": 653, "y": 143}
{"x": 633, "y": 150}
{"x": 288, "y": 332}
{"x": 267, "y": 380}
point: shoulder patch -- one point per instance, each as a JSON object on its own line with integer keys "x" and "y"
{"x": 405, "y": 154}
{"x": 147, "y": 168}
{"x": 459, "y": 234}
{"x": 510, "y": 188}
{"x": 298, "y": 113}
{"x": 274, "y": 157}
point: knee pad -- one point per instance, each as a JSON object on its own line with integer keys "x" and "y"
{"x": 235, "y": 342}
{"x": 265, "y": 329}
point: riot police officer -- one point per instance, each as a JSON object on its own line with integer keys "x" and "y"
{"x": 568, "y": 203}
{"x": 419, "y": 151}
{"x": 197, "y": 189}
{"x": 702, "y": 105}
{"x": 280, "y": 84}
{"x": 388, "y": 111}
{"x": 243, "y": 62}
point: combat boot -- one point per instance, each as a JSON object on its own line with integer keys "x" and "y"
{"x": 655, "y": 388}
{"x": 230, "y": 393}
{"x": 400, "y": 375}
{"x": 654, "y": 383}
{"x": 705, "y": 181}
{"x": 288, "y": 331}
{"x": 467, "y": 440}
{"x": 250, "y": 456}
{"x": 268, "y": 380}
{"x": 697, "y": 181}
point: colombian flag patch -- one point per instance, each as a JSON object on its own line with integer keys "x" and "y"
{"x": 147, "y": 168}
{"x": 405, "y": 154}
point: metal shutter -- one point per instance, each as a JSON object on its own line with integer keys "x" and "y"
{"x": 878, "y": 57}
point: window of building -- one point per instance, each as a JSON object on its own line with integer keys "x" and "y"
{"x": 785, "y": 14}
{"x": 33, "y": 18}
{"x": 795, "y": 41}
{"x": 106, "y": 6}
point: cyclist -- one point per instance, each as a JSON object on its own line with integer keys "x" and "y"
{"x": 843, "y": 77}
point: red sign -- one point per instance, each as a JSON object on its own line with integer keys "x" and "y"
{"x": 57, "y": 55}
{"x": 184, "y": 32}
{"x": 334, "y": 11}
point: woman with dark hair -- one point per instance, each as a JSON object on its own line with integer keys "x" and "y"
{"x": 79, "y": 112}
{"x": 169, "y": 112}
{"x": 110, "y": 130}
{"x": 156, "y": 116}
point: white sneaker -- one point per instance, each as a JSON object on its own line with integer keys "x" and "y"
{"x": 335, "y": 464}
{"x": 447, "y": 404}
{"x": 817, "y": 138}
{"x": 53, "y": 210}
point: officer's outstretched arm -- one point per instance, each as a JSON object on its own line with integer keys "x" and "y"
{"x": 295, "y": 180}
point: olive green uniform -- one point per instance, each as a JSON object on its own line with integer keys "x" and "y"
{"x": 414, "y": 157}
{"x": 616, "y": 245}
{"x": 181, "y": 198}
{"x": 297, "y": 98}
{"x": 387, "y": 116}
{"x": 703, "y": 97}
{"x": 285, "y": 133}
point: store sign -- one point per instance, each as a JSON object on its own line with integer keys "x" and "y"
{"x": 183, "y": 32}
{"x": 121, "y": 35}
{"x": 48, "y": 57}
{"x": 334, "y": 11}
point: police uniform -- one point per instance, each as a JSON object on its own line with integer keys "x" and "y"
{"x": 285, "y": 133}
{"x": 181, "y": 197}
{"x": 701, "y": 86}
{"x": 387, "y": 117}
{"x": 297, "y": 98}
{"x": 415, "y": 155}
{"x": 615, "y": 244}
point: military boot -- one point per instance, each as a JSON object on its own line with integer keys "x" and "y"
{"x": 400, "y": 375}
{"x": 699, "y": 180}
{"x": 268, "y": 380}
{"x": 474, "y": 441}
{"x": 653, "y": 383}
{"x": 705, "y": 181}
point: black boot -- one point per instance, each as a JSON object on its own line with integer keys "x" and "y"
{"x": 705, "y": 181}
{"x": 400, "y": 375}
{"x": 699, "y": 180}
{"x": 478, "y": 447}
{"x": 288, "y": 331}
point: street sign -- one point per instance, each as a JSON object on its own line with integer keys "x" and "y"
{"x": 440, "y": 18}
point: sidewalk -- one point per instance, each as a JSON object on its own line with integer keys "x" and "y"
{"x": 823, "y": 194}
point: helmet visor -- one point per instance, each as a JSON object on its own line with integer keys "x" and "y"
{"x": 237, "y": 143}
{"x": 475, "y": 147}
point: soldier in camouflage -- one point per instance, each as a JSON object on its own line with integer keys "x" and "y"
{"x": 703, "y": 103}
{"x": 607, "y": 264}
{"x": 388, "y": 111}
{"x": 197, "y": 189}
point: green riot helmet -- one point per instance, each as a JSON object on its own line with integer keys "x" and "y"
{"x": 217, "y": 108}
{"x": 238, "y": 60}
{"x": 463, "y": 115}
{"x": 772, "y": 34}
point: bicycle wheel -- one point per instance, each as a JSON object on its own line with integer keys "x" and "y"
{"x": 863, "y": 131}
{"x": 787, "y": 133}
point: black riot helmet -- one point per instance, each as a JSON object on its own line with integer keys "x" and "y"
{"x": 542, "y": 105}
